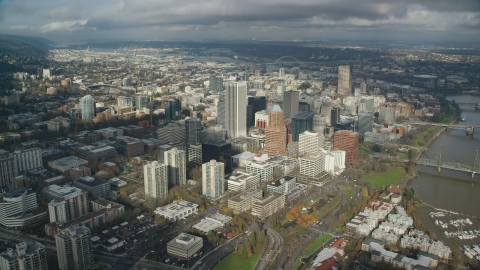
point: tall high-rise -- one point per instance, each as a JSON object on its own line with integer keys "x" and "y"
{"x": 221, "y": 109}
{"x": 87, "y": 107}
{"x": 236, "y": 109}
{"x": 335, "y": 116}
{"x": 281, "y": 72}
{"x": 74, "y": 248}
{"x": 142, "y": 102}
{"x": 301, "y": 122}
{"x": 155, "y": 180}
{"x": 310, "y": 143}
{"x": 193, "y": 129}
{"x": 28, "y": 159}
{"x": 213, "y": 177}
{"x": 344, "y": 81}
{"x": 176, "y": 161}
{"x": 123, "y": 101}
{"x": 26, "y": 256}
{"x": 367, "y": 104}
{"x": 291, "y": 100}
{"x": 365, "y": 122}
{"x": 347, "y": 141}
{"x": 126, "y": 81}
{"x": 7, "y": 167}
{"x": 215, "y": 84}
{"x": 173, "y": 109}
{"x": 276, "y": 133}
{"x": 255, "y": 104}
{"x": 65, "y": 202}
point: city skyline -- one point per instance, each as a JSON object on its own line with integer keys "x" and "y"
{"x": 404, "y": 20}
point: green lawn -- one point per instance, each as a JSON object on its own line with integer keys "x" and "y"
{"x": 317, "y": 244}
{"x": 320, "y": 213}
{"x": 312, "y": 248}
{"x": 420, "y": 136}
{"x": 391, "y": 177}
{"x": 403, "y": 155}
{"x": 232, "y": 261}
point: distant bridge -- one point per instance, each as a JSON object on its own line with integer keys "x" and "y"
{"x": 469, "y": 129}
{"x": 437, "y": 162}
{"x": 476, "y": 105}
{"x": 291, "y": 59}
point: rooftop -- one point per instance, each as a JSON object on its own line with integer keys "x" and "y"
{"x": 91, "y": 181}
{"x": 246, "y": 195}
{"x": 303, "y": 115}
{"x": 281, "y": 181}
{"x": 185, "y": 241}
{"x": 66, "y": 192}
{"x": 266, "y": 200}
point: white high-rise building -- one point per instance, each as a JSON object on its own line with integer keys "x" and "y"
{"x": 28, "y": 159}
{"x": 155, "y": 177}
{"x": 87, "y": 107}
{"x": 339, "y": 158}
{"x": 236, "y": 109}
{"x": 65, "y": 202}
{"x": 312, "y": 165}
{"x": 363, "y": 87}
{"x": 26, "y": 256}
{"x": 123, "y": 101}
{"x": 213, "y": 177}
{"x": 310, "y": 143}
{"x": 344, "y": 81}
{"x": 281, "y": 72}
{"x": 74, "y": 248}
{"x": 47, "y": 73}
{"x": 176, "y": 161}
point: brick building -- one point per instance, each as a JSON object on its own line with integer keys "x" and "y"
{"x": 347, "y": 141}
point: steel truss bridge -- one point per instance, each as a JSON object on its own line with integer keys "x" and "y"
{"x": 469, "y": 129}
{"x": 439, "y": 163}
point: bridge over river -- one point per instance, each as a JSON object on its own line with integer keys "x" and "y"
{"x": 468, "y": 128}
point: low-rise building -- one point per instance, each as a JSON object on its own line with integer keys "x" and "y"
{"x": 212, "y": 222}
{"x": 282, "y": 185}
{"x": 243, "y": 202}
{"x": 266, "y": 206}
{"x": 240, "y": 180}
{"x": 177, "y": 210}
{"x": 184, "y": 246}
{"x": 98, "y": 154}
{"x": 19, "y": 208}
{"x": 133, "y": 147}
{"x": 264, "y": 169}
{"x": 95, "y": 186}
{"x": 66, "y": 163}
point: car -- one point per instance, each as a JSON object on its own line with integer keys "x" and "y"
{"x": 167, "y": 260}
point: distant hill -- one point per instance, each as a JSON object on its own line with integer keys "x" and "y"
{"x": 24, "y": 45}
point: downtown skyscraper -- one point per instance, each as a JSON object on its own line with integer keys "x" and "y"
{"x": 344, "y": 81}
{"x": 213, "y": 175}
{"x": 176, "y": 160}
{"x": 87, "y": 107}
{"x": 155, "y": 176}
{"x": 236, "y": 109}
{"x": 276, "y": 133}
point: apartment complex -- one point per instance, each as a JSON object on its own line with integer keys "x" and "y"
{"x": 282, "y": 185}
{"x": 175, "y": 160}
{"x": 312, "y": 165}
{"x": 65, "y": 202}
{"x": 18, "y": 209}
{"x": 213, "y": 176}
{"x": 264, "y": 169}
{"x": 310, "y": 143}
{"x": 26, "y": 256}
{"x": 95, "y": 186}
{"x": 241, "y": 180}
{"x": 243, "y": 202}
{"x": 7, "y": 167}
{"x": 28, "y": 159}
{"x": 155, "y": 177}
{"x": 74, "y": 248}
{"x": 347, "y": 141}
{"x": 266, "y": 206}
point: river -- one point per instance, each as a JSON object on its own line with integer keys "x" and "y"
{"x": 451, "y": 190}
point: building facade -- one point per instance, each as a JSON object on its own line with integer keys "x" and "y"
{"x": 312, "y": 165}
{"x": 87, "y": 107}
{"x": 213, "y": 177}
{"x": 65, "y": 202}
{"x": 26, "y": 256}
{"x": 301, "y": 122}
{"x": 344, "y": 81}
{"x": 74, "y": 248}
{"x": 276, "y": 133}
{"x": 193, "y": 129}
{"x": 310, "y": 143}
{"x": 175, "y": 159}
{"x": 155, "y": 177}
{"x": 347, "y": 141}
{"x": 236, "y": 109}
{"x": 266, "y": 206}
{"x": 95, "y": 186}
{"x": 7, "y": 167}
{"x": 291, "y": 100}
{"x": 173, "y": 109}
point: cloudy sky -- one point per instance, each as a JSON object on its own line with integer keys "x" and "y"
{"x": 87, "y": 20}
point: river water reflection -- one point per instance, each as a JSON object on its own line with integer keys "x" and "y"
{"x": 452, "y": 190}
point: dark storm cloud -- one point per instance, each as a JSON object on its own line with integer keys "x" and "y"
{"x": 134, "y": 17}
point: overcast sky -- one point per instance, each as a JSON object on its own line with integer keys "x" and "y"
{"x": 87, "y": 20}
